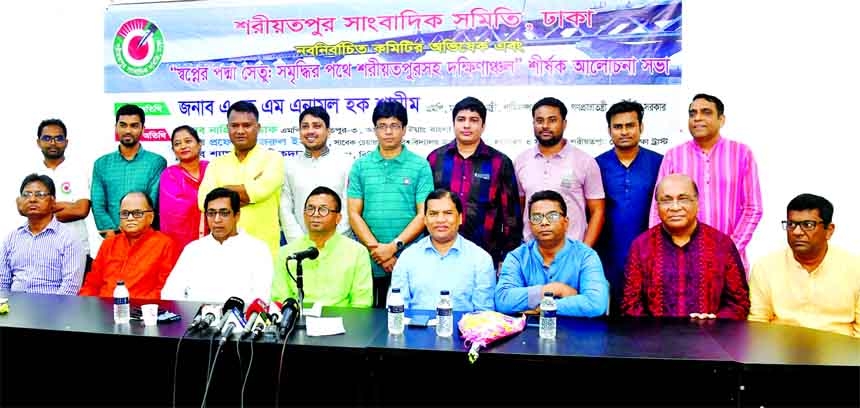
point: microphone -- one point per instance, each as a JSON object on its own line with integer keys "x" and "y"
{"x": 234, "y": 302}
{"x": 310, "y": 253}
{"x": 208, "y": 314}
{"x": 251, "y": 315}
{"x": 260, "y": 325}
{"x": 290, "y": 313}
{"x": 275, "y": 312}
{"x": 233, "y": 320}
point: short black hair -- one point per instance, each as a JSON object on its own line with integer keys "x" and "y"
{"x": 244, "y": 106}
{"x": 440, "y": 193}
{"x": 148, "y": 198}
{"x": 713, "y": 99}
{"x": 131, "y": 110}
{"x": 41, "y": 178}
{"x": 550, "y": 101}
{"x": 189, "y": 129}
{"x": 317, "y": 112}
{"x": 50, "y": 122}
{"x": 387, "y": 108}
{"x": 624, "y": 107}
{"x": 221, "y": 192}
{"x": 812, "y": 202}
{"x": 548, "y": 195}
{"x": 325, "y": 191}
{"x": 473, "y": 104}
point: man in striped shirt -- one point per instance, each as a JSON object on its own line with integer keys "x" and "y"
{"x": 484, "y": 179}
{"x": 724, "y": 170}
{"x": 44, "y": 255}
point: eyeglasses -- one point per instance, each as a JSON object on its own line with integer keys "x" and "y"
{"x": 806, "y": 225}
{"x": 224, "y": 213}
{"x": 55, "y": 139}
{"x": 137, "y": 214}
{"x": 552, "y": 217}
{"x": 669, "y": 203}
{"x": 40, "y": 195}
{"x": 394, "y": 127}
{"x": 321, "y": 210}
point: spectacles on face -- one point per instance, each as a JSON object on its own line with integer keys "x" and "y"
{"x": 670, "y": 202}
{"x": 40, "y": 195}
{"x": 552, "y": 217}
{"x": 136, "y": 214}
{"x": 394, "y": 127}
{"x": 224, "y": 213}
{"x": 55, "y": 139}
{"x": 806, "y": 225}
{"x": 321, "y": 210}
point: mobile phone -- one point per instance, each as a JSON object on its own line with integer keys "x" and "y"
{"x": 420, "y": 320}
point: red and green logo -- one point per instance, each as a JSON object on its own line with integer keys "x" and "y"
{"x": 138, "y": 47}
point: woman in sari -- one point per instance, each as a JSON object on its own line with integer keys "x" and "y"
{"x": 179, "y": 215}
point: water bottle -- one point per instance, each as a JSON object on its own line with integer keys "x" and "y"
{"x": 444, "y": 315}
{"x": 121, "y": 306}
{"x": 395, "y": 312}
{"x": 547, "y": 316}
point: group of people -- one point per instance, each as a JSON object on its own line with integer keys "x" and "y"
{"x": 628, "y": 233}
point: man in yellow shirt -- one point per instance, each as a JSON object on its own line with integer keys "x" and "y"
{"x": 810, "y": 284}
{"x": 253, "y": 171}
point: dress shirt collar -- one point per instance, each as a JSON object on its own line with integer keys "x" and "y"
{"x": 535, "y": 250}
{"x": 483, "y": 150}
{"x": 695, "y": 146}
{"x": 566, "y": 149}
{"x": 693, "y": 235}
{"x": 324, "y": 153}
{"x": 52, "y": 225}
{"x": 377, "y": 156}
{"x": 427, "y": 245}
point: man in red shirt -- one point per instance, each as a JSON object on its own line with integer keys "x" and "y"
{"x": 139, "y": 255}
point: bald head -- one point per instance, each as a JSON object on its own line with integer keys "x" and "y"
{"x": 678, "y": 203}
{"x": 675, "y": 181}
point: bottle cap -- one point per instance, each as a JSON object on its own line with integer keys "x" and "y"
{"x": 444, "y": 293}
{"x": 548, "y": 294}
{"x": 395, "y": 290}
{"x": 120, "y": 282}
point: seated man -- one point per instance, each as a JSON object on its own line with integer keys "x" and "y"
{"x": 43, "y": 255}
{"x": 138, "y": 255}
{"x": 340, "y": 275}
{"x": 682, "y": 267}
{"x": 811, "y": 283}
{"x": 551, "y": 262}
{"x": 445, "y": 261}
{"x": 227, "y": 262}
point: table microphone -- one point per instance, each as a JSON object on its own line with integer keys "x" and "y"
{"x": 234, "y": 320}
{"x": 290, "y": 313}
{"x": 251, "y": 316}
{"x": 209, "y": 313}
{"x": 260, "y": 325}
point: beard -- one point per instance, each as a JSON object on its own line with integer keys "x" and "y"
{"x": 53, "y": 156}
{"x": 125, "y": 143}
{"x": 553, "y": 141}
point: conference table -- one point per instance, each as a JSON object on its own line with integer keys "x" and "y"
{"x": 66, "y": 350}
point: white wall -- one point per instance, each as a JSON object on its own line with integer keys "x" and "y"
{"x": 789, "y": 93}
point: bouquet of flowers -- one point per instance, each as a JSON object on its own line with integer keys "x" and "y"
{"x": 482, "y": 328}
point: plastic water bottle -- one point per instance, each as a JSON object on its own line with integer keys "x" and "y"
{"x": 444, "y": 315}
{"x": 547, "y": 316}
{"x": 395, "y": 312}
{"x": 121, "y": 306}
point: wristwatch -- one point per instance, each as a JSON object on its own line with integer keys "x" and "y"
{"x": 399, "y": 245}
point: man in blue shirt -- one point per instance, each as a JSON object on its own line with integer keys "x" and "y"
{"x": 629, "y": 173}
{"x": 551, "y": 262}
{"x": 445, "y": 260}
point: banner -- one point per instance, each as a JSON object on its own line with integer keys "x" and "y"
{"x": 186, "y": 63}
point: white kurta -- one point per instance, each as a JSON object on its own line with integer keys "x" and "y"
{"x": 209, "y": 271}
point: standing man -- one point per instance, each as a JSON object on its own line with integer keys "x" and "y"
{"x": 483, "y": 178}
{"x": 724, "y": 170}
{"x": 253, "y": 171}
{"x": 683, "y": 267}
{"x": 555, "y": 164}
{"x": 552, "y": 262}
{"x": 387, "y": 188}
{"x": 227, "y": 262}
{"x": 130, "y": 168}
{"x": 72, "y": 205}
{"x": 340, "y": 275}
{"x": 445, "y": 260}
{"x": 811, "y": 283}
{"x": 43, "y": 255}
{"x": 319, "y": 166}
{"x": 629, "y": 173}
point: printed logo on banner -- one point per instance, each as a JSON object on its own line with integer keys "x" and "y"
{"x": 138, "y": 47}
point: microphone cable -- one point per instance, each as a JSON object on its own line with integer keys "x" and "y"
{"x": 176, "y": 363}
{"x": 211, "y": 367}
{"x": 247, "y": 374}
{"x": 281, "y": 366}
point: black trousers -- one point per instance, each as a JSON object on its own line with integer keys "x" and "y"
{"x": 380, "y": 291}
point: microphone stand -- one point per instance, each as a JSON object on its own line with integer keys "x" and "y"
{"x": 300, "y": 322}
